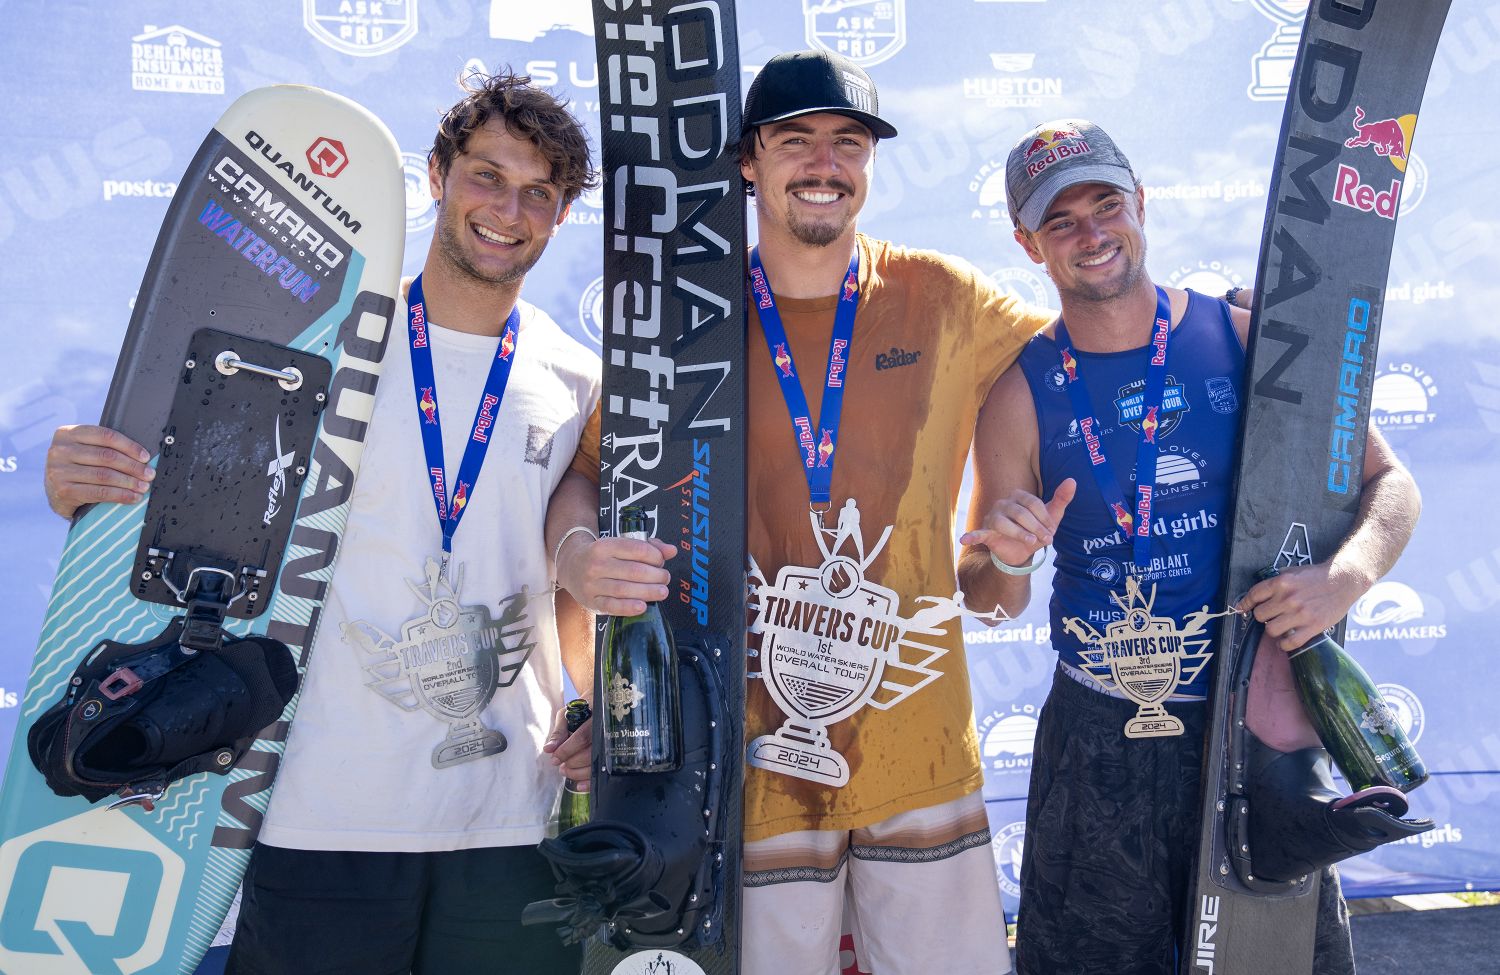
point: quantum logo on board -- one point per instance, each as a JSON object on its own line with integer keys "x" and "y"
{"x": 362, "y": 28}
{"x": 175, "y": 59}
{"x": 95, "y": 893}
{"x": 327, "y": 157}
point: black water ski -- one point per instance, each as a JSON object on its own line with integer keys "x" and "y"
{"x": 673, "y": 441}
{"x": 1325, "y": 252}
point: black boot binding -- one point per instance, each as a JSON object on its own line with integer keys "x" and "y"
{"x": 1285, "y": 819}
{"x": 644, "y": 872}
{"x": 137, "y": 717}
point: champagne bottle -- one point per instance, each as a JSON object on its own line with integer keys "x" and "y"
{"x": 572, "y": 805}
{"x": 642, "y": 704}
{"x": 1357, "y": 726}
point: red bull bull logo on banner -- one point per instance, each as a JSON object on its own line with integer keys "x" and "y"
{"x": 1389, "y": 137}
{"x": 1052, "y": 146}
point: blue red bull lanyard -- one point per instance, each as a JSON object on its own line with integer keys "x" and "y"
{"x": 1137, "y": 526}
{"x": 450, "y": 507}
{"x": 817, "y": 451}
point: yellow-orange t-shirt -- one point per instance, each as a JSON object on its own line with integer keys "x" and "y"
{"x": 931, "y": 336}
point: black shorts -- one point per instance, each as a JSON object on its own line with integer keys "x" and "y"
{"x": 1111, "y": 830}
{"x": 308, "y": 912}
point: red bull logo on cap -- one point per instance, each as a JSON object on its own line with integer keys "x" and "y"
{"x": 1052, "y": 146}
{"x": 1389, "y": 137}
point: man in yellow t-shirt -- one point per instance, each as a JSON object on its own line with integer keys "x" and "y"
{"x": 863, "y": 773}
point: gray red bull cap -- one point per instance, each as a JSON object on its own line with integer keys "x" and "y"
{"x": 1054, "y": 156}
{"x": 810, "y": 82}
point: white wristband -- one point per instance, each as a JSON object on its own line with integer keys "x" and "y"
{"x": 564, "y": 540}
{"x": 1025, "y": 570}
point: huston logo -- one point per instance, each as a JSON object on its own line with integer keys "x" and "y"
{"x": 327, "y": 157}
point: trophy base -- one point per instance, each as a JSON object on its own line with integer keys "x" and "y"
{"x": 457, "y": 750}
{"x": 801, "y": 757}
{"x": 1148, "y": 725}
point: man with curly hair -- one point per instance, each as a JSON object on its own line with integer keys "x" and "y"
{"x": 398, "y": 840}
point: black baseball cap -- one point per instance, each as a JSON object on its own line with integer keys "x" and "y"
{"x": 809, "y": 82}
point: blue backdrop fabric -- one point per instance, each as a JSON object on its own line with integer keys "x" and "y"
{"x": 106, "y": 103}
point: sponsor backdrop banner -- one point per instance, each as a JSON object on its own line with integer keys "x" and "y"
{"x": 105, "y": 104}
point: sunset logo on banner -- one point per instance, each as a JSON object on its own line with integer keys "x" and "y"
{"x": 864, "y": 31}
{"x": 175, "y": 59}
{"x": 527, "y": 22}
{"x": 421, "y": 211}
{"x": 1007, "y": 738}
{"x": 364, "y": 29}
{"x": 1402, "y": 396}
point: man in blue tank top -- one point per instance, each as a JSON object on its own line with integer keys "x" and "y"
{"x": 1131, "y": 378}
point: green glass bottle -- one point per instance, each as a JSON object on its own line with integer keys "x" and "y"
{"x": 572, "y": 805}
{"x": 642, "y": 702}
{"x": 1357, "y": 726}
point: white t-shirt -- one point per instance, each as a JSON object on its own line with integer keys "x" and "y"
{"x": 359, "y": 772}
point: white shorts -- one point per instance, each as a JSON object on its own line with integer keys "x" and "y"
{"x": 922, "y": 897}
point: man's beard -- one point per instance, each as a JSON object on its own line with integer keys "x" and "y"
{"x": 1101, "y": 292}
{"x": 817, "y": 234}
{"x": 448, "y": 243}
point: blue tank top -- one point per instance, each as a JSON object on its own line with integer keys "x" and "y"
{"x": 1197, "y": 437}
